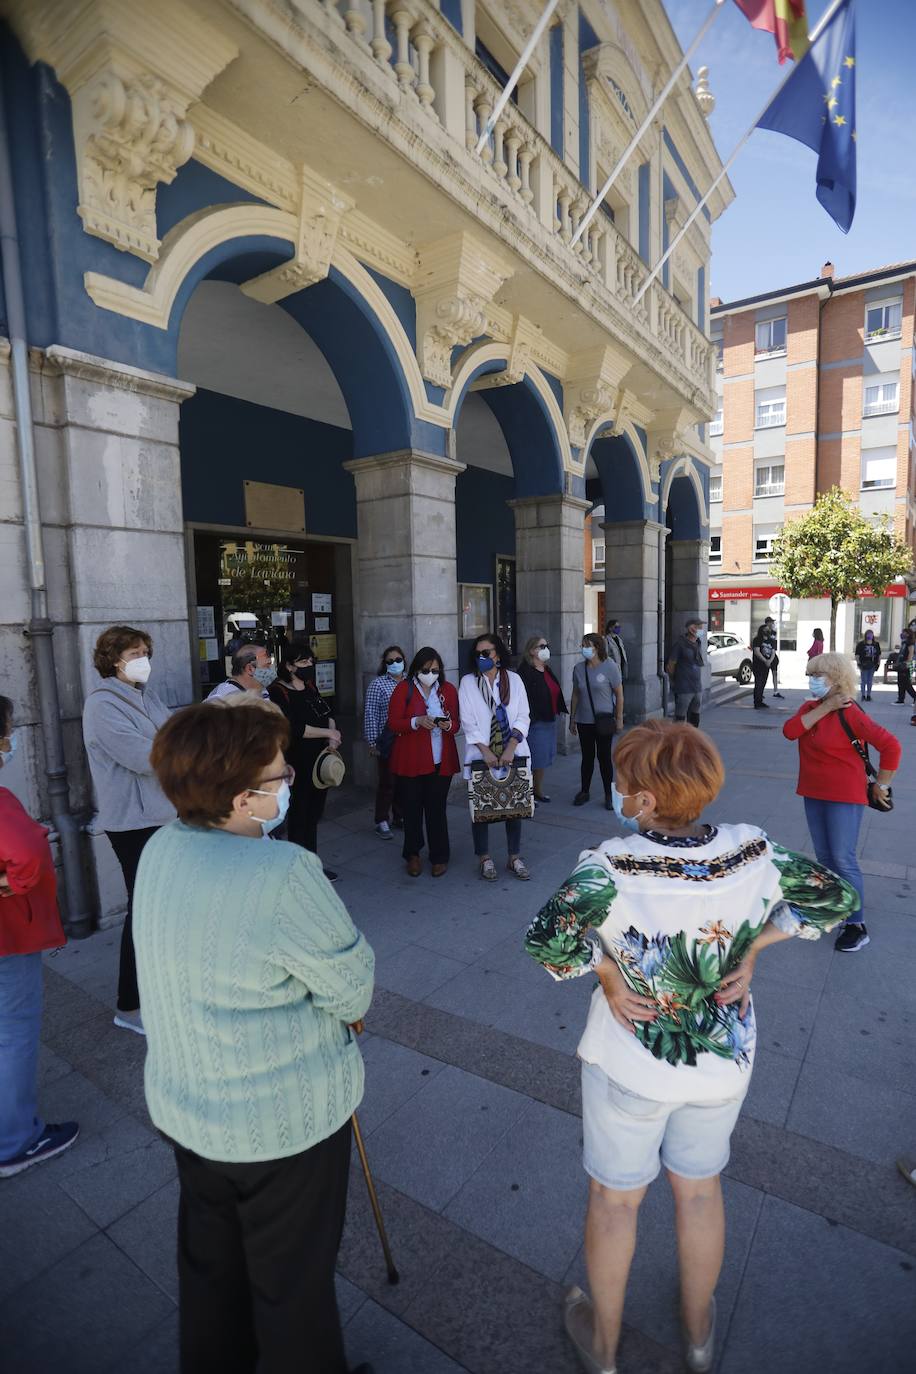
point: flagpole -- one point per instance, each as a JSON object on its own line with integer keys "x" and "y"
{"x": 812, "y": 38}
{"x": 659, "y": 102}
{"x": 513, "y": 79}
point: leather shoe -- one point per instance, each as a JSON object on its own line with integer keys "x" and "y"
{"x": 580, "y": 799}
{"x": 439, "y": 869}
{"x": 414, "y": 866}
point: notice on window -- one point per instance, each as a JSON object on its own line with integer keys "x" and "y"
{"x": 322, "y": 622}
{"x": 206, "y": 625}
{"x": 212, "y": 648}
{"x": 298, "y": 620}
{"x": 279, "y": 618}
{"x": 325, "y": 677}
{"x": 324, "y": 646}
{"x": 322, "y": 601}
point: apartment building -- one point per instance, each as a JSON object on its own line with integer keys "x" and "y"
{"x": 814, "y": 387}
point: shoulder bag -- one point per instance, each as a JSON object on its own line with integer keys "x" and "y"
{"x": 605, "y": 722}
{"x": 884, "y": 804}
{"x": 501, "y": 794}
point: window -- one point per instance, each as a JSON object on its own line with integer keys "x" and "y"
{"x": 715, "y": 548}
{"x": 879, "y": 468}
{"x": 770, "y": 481}
{"x": 496, "y": 70}
{"x": 881, "y": 399}
{"x": 716, "y": 425}
{"x": 715, "y": 488}
{"x": 770, "y": 407}
{"x": 764, "y": 535}
{"x": 770, "y": 337}
{"x": 597, "y": 555}
{"x": 882, "y": 320}
{"x": 719, "y": 346}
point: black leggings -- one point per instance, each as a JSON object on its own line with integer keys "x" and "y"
{"x": 904, "y": 684}
{"x": 591, "y": 743}
{"x": 128, "y": 845}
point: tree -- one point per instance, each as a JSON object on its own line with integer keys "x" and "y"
{"x": 836, "y": 551}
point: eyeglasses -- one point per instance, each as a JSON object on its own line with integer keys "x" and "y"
{"x": 288, "y": 776}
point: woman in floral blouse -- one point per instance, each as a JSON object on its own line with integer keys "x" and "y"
{"x": 671, "y": 919}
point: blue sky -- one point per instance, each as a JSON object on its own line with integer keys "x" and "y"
{"x": 776, "y": 233}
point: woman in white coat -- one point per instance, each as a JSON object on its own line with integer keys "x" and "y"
{"x": 495, "y": 719}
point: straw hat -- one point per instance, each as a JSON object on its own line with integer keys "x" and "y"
{"x": 329, "y": 770}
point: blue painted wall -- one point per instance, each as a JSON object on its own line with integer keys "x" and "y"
{"x": 557, "y": 121}
{"x": 645, "y": 209}
{"x": 682, "y": 168}
{"x": 195, "y": 187}
{"x": 484, "y": 527}
{"x": 669, "y": 191}
{"x": 451, "y": 9}
{"x": 224, "y": 441}
{"x": 621, "y": 483}
{"x": 701, "y": 297}
{"x": 683, "y": 516}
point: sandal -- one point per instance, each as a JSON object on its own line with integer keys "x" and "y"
{"x": 517, "y": 866}
{"x": 577, "y": 1318}
{"x": 488, "y": 870}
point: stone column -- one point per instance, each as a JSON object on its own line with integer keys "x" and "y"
{"x": 634, "y": 594}
{"x": 689, "y": 587}
{"x": 550, "y": 584}
{"x": 407, "y": 576}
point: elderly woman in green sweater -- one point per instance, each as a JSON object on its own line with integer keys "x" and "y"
{"x": 252, "y": 975}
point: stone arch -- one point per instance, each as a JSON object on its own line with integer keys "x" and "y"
{"x": 682, "y": 501}
{"x": 622, "y": 470}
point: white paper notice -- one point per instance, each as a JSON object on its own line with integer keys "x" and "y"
{"x": 212, "y": 646}
{"x": 321, "y": 601}
{"x": 206, "y": 626}
{"x": 322, "y": 622}
{"x": 298, "y": 620}
{"x": 324, "y": 678}
{"x": 279, "y": 618}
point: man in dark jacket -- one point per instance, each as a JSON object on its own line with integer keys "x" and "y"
{"x": 685, "y": 668}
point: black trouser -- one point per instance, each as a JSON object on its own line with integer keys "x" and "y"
{"x": 306, "y": 807}
{"x": 128, "y": 846}
{"x": 387, "y": 795}
{"x": 257, "y": 1248}
{"x": 591, "y": 742}
{"x": 904, "y": 684}
{"x": 425, "y": 798}
{"x": 761, "y": 677}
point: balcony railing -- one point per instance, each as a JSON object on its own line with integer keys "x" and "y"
{"x": 880, "y": 407}
{"x": 425, "y": 60}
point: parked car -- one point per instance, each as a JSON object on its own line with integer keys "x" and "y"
{"x": 728, "y": 657}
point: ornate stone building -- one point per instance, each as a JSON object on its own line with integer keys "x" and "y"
{"x": 300, "y": 352}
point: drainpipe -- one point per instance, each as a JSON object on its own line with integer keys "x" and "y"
{"x": 78, "y": 921}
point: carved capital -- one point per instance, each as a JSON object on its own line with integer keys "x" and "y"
{"x": 321, "y": 208}
{"x": 524, "y": 337}
{"x": 132, "y": 71}
{"x": 457, "y": 279}
{"x": 592, "y": 390}
{"x": 665, "y": 443}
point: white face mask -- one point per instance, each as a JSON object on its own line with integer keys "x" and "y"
{"x": 137, "y": 669}
{"x": 544, "y": 655}
{"x": 428, "y": 679}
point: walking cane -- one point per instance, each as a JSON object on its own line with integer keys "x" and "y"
{"x": 393, "y": 1275}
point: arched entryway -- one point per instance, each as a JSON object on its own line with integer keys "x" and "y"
{"x": 686, "y": 553}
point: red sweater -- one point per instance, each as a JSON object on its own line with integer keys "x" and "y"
{"x": 829, "y": 767}
{"x": 29, "y": 918}
{"x": 412, "y": 752}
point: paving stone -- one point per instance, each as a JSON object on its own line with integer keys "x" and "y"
{"x": 480, "y": 993}
{"x": 51, "y": 1066}
{"x": 874, "y": 1040}
{"x": 73, "y": 1097}
{"x": 429, "y": 1147}
{"x": 415, "y": 970}
{"x": 102, "y": 1308}
{"x": 116, "y": 1169}
{"x": 550, "y": 1013}
{"x": 157, "y": 1352}
{"x": 39, "y": 1225}
{"x": 108, "y": 1056}
{"x": 785, "y": 1014}
{"x": 529, "y": 1195}
{"x": 394, "y": 1075}
{"x": 393, "y": 1347}
{"x": 148, "y": 1235}
{"x": 819, "y": 1297}
{"x": 349, "y": 1298}
{"x": 65, "y": 1006}
{"x": 772, "y": 1086}
{"x": 856, "y": 1114}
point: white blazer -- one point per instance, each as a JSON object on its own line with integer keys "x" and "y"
{"x": 475, "y": 714}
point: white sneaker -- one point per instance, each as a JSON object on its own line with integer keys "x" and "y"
{"x": 130, "y": 1020}
{"x": 383, "y": 830}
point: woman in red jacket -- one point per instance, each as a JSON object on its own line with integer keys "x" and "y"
{"x": 29, "y": 923}
{"x": 423, "y": 713}
{"x": 831, "y": 776}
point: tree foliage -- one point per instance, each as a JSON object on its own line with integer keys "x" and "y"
{"x": 835, "y": 551}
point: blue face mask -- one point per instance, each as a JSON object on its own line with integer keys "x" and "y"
{"x": 484, "y": 663}
{"x": 587, "y": 652}
{"x": 265, "y": 675}
{"x": 818, "y": 686}
{"x": 282, "y": 800}
{"x": 617, "y": 801}
{"x": 396, "y": 668}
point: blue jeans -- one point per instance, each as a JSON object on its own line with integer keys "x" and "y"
{"x": 867, "y": 676}
{"x": 481, "y": 833}
{"x": 20, "y": 1024}
{"x": 834, "y": 828}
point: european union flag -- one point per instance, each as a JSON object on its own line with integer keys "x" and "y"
{"x": 817, "y": 106}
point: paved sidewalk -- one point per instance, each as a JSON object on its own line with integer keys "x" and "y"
{"x": 472, "y": 1125}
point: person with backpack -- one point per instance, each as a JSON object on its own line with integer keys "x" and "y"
{"x": 868, "y": 657}
{"x": 380, "y": 739}
{"x": 423, "y": 716}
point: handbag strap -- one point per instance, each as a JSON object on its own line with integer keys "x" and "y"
{"x": 588, "y": 688}
{"x": 870, "y": 770}
{"x": 107, "y": 692}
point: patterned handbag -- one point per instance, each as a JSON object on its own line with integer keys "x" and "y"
{"x": 495, "y": 798}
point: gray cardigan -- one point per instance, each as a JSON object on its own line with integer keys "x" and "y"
{"x": 119, "y": 723}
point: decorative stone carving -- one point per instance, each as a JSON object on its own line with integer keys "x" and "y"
{"x": 132, "y": 71}
{"x": 669, "y": 438}
{"x": 321, "y": 207}
{"x": 591, "y": 390}
{"x": 705, "y": 98}
{"x": 525, "y": 337}
{"x": 457, "y": 278}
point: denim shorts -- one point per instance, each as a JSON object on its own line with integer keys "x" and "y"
{"x": 627, "y": 1138}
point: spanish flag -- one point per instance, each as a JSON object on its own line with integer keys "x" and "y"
{"x": 784, "y": 19}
